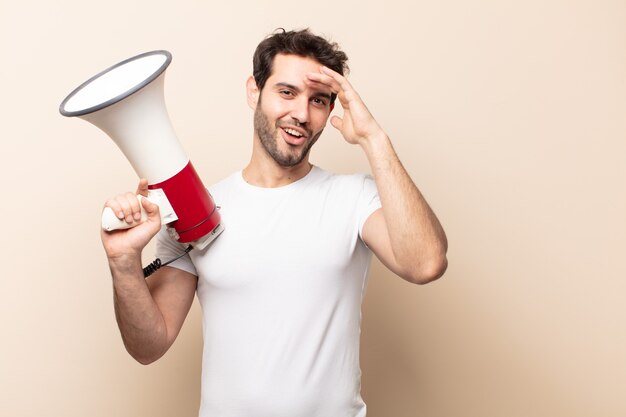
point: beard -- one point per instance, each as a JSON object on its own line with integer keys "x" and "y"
{"x": 268, "y": 136}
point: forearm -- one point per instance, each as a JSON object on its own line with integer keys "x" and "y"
{"x": 416, "y": 237}
{"x": 138, "y": 317}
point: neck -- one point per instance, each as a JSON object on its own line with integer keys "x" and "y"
{"x": 263, "y": 171}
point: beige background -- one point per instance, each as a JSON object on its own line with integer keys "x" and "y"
{"x": 508, "y": 115}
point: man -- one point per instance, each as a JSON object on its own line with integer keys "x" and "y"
{"x": 281, "y": 288}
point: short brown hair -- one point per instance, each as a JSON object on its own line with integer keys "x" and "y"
{"x": 302, "y": 43}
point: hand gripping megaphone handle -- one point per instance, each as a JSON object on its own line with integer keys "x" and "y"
{"x": 111, "y": 222}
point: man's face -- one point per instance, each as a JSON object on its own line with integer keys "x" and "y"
{"x": 290, "y": 114}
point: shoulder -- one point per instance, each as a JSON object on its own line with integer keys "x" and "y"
{"x": 355, "y": 181}
{"x": 351, "y": 191}
{"x": 225, "y": 182}
{"x": 221, "y": 188}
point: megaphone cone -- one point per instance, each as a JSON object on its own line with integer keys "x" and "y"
{"x": 126, "y": 101}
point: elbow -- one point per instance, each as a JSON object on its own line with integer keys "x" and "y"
{"x": 147, "y": 350}
{"x": 428, "y": 272}
{"x": 144, "y": 358}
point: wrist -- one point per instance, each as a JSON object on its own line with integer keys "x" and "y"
{"x": 125, "y": 262}
{"x": 375, "y": 143}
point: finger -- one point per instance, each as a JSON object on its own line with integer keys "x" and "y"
{"x": 129, "y": 206}
{"x": 135, "y": 207}
{"x": 152, "y": 210}
{"x": 343, "y": 81}
{"x": 123, "y": 209}
{"x": 153, "y": 213}
{"x": 321, "y": 80}
{"x": 337, "y": 122}
{"x": 344, "y": 90}
{"x": 329, "y": 71}
{"x": 116, "y": 207}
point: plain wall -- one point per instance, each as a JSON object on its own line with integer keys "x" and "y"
{"x": 509, "y": 116}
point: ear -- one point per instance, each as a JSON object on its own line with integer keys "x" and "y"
{"x": 252, "y": 92}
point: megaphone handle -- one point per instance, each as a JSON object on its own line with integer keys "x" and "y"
{"x": 111, "y": 222}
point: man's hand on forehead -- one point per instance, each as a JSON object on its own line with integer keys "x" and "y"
{"x": 357, "y": 124}
{"x": 335, "y": 81}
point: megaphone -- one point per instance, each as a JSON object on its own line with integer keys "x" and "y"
{"x": 126, "y": 101}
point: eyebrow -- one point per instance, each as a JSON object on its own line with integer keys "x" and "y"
{"x": 298, "y": 90}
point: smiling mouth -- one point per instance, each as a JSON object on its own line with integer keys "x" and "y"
{"x": 292, "y": 132}
{"x": 293, "y": 137}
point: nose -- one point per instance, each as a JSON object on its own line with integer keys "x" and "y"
{"x": 300, "y": 110}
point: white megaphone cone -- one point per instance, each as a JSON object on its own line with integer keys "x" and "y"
{"x": 126, "y": 101}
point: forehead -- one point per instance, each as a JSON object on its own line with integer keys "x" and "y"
{"x": 292, "y": 69}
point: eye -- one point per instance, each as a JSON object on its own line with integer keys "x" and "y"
{"x": 286, "y": 93}
{"x": 319, "y": 101}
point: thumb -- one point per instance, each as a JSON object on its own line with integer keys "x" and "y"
{"x": 142, "y": 188}
{"x": 337, "y": 122}
{"x": 152, "y": 210}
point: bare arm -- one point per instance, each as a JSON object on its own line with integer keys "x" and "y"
{"x": 405, "y": 233}
{"x": 149, "y": 313}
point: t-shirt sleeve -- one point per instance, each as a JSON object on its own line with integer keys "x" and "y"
{"x": 368, "y": 203}
{"x": 167, "y": 248}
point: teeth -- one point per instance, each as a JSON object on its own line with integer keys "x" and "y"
{"x": 293, "y": 132}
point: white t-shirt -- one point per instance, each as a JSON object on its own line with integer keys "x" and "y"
{"x": 281, "y": 291}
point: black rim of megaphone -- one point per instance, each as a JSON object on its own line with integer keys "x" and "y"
{"x": 122, "y": 96}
